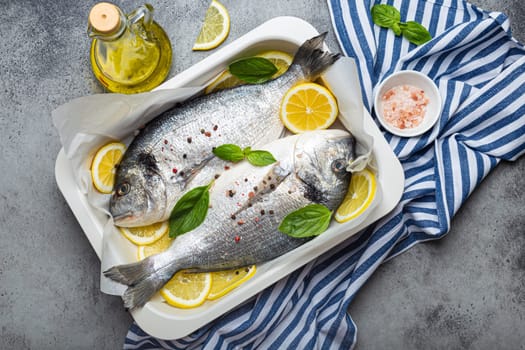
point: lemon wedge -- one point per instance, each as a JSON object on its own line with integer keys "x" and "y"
{"x": 360, "y": 195}
{"x": 225, "y": 281}
{"x": 215, "y": 28}
{"x": 160, "y": 245}
{"x": 308, "y": 107}
{"x": 281, "y": 60}
{"x": 103, "y": 166}
{"x": 145, "y": 234}
{"x": 187, "y": 290}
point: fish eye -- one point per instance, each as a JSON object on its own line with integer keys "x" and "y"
{"x": 339, "y": 166}
{"x": 123, "y": 189}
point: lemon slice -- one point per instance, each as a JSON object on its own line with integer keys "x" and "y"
{"x": 281, "y": 60}
{"x": 103, "y": 166}
{"x": 145, "y": 234}
{"x": 225, "y": 281}
{"x": 160, "y": 245}
{"x": 360, "y": 195}
{"x": 307, "y": 107}
{"x": 215, "y": 28}
{"x": 187, "y": 290}
{"x": 224, "y": 81}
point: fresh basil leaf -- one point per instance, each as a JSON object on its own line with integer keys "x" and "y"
{"x": 229, "y": 152}
{"x": 254, "y": 70}
{"x": 415, "y": 32}
{"x": 309, "y": 221}
{"x": 260, "y": 158}
{"x": 190, "y": 211}
{"x": 385, "y": 15}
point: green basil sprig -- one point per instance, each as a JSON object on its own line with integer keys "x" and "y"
{"x": 253, "y": 70}
{"x": 387, "y": 16}
{"x": 234, "y": 153}
{"x": 308, "y": 221}
{"x": 190, "y": 211}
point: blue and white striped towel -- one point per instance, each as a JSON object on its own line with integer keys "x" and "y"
{"x": 480, "y": 71}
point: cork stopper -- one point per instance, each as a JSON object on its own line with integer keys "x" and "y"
{"x": 104, "y": 17}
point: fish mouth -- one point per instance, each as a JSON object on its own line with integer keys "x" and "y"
{"x": 123, "y": 219}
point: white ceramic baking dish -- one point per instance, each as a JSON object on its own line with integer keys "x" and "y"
{"x": 164, "y": 321}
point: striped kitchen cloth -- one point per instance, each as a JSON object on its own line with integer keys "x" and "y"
{"x": 480, "y": 71}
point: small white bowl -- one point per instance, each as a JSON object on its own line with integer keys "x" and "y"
{"x": 417, "y": 79}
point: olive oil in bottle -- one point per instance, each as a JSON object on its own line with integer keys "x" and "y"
{"x": 129, "y": 53}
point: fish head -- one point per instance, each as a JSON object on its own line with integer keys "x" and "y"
{"x": 320, "y": 160}
{"x": 139, "y": 197}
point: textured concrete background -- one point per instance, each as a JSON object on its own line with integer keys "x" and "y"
{"x": 465, "y": 291}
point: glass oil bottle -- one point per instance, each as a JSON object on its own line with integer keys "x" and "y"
{"x": 129, "y": 53}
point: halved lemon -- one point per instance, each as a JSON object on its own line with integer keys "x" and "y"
{"x": 215, "y": 28}
{"x": 145, "y": 234}
{"x": 103, "y": 166}
{"x": 160, "y": 245}
{"x": 225, "y": 281}
{"x": 307, "y": 107}
{"x": 360, "y": 195}
{"x": 281, "y": 60}
{"x": 187, "y": 290}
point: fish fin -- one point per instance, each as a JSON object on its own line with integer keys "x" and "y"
{"x": 191, "y": 172}
{"x": 130, "y": 274}
{"x": 144, "y": 279}
{"x": 312, "y": 57}
{"x": 139, "y": 294}
{"x": 269, "y": 183}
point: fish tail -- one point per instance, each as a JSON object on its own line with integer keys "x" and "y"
{"x": 313, "y": 58}
{"x": 144, "y": 279}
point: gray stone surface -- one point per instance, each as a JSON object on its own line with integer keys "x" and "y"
{"x": 465, "y": 291}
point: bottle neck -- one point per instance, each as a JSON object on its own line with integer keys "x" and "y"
{"x": 120, "y": 28}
